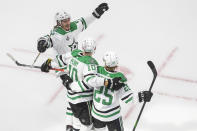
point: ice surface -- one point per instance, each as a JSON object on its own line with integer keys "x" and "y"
{"x": 162, "y": 31}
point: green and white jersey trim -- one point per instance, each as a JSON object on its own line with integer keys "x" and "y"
{"x": 69, "y": 112}
{"x": 108, "y": 115}
{"x": 78, "y": 97}
{"x": 107, "y": 102}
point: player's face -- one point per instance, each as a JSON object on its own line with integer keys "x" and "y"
{"x": 66, "y": 24}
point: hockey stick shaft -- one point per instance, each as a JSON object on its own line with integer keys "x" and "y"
{"x": 30, "y": 66}
{"x": 36, "y": 58}
{"x": 152, "y": 66}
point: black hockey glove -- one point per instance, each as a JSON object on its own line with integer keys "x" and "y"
{"x": 98, "y": 12}
{"x": 43, "y": 43}
{"x": 145, "y": 96}
{"x": 46, "y": 66}
{"x": 42, "y": 46}
{"x": 115, "y": 84}
{"x": 66, "y": 81}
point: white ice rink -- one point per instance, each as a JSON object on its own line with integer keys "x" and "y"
{"x": 163, "y": 31}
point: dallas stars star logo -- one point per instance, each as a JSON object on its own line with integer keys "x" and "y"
{"x": 74, "y": 45}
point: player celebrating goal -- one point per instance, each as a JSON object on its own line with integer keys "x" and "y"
{"x": 63, "y": 37}
{"x": 106, "y": 106}
{"x": 81, "y": 67}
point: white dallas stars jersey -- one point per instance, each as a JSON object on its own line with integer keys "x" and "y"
{"x": 80, "y": 68}
{"x": 106, "y": 102}
{"x": 64, "y": 41}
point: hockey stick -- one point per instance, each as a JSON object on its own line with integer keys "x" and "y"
{"x": 31, "y": 66}
{"x": 152, "y": 67}
{"x": 36, "y": 58}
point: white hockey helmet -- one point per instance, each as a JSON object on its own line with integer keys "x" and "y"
{"x": 61, "y": 15}
{"x": 110, "y": 59}
{"x": 89, "y": 45}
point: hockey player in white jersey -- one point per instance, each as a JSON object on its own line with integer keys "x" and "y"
{"x": 63, "y": 37}
{"x": 106, "y": 105}
{"x": 81, "y": 67}
{"x": 106, "y": 109}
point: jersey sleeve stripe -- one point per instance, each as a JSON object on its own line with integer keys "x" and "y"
{"x": 68, "y": 108}
{"x": 75, "y": 93}
{"x": 77, "y": 97}
{"x": 85, "y": 85}
{"x": 62, "y": 59}
{"x": 126, "y": 97}
{"x": 57, "y": 57}
{"x": 84, "y": 22}
{"x": 89, "y": 78}
{"x": 88, "y": 75}
{"x": 127, "y": 101}
{"x": 80, "y": 85}
{"x": 68, "y": 113}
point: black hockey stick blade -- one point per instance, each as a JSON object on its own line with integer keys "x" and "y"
{"x": 152, "y": 66}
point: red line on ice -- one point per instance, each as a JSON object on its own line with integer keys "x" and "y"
{"x": 55, "y": 94}
{"x": 131, "y": 109}
{"x": 175, "y": 96}
{"x": 178, "y": 78}
{"x": 167, "y": 60}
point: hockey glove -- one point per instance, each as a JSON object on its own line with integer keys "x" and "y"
{"x": 145, "y": 96}
{"x": 115, "y": 84}
{"x": 46, "y": 66}
{"x": 43, "y": 43}
{"x": 98, "y": 12}
{"x": 66, "y": 81}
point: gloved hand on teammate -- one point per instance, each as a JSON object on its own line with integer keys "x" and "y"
{"x": 115, "y": 83}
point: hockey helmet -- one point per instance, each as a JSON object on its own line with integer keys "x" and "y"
{"x": 110, "y": 59}
{"x": 61, "y": 15}
{"x": 88, "y": 45}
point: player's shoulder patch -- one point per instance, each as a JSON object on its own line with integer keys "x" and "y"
{"x": 76, "y": 53}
